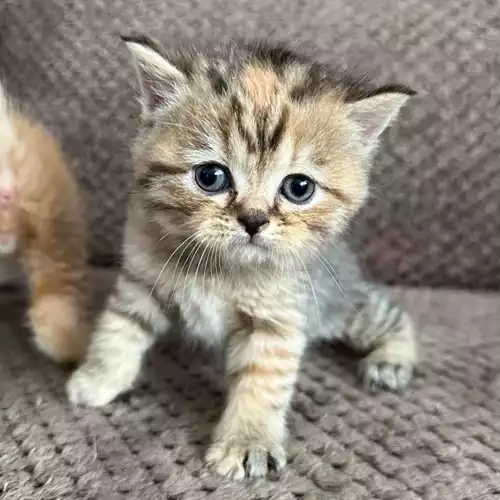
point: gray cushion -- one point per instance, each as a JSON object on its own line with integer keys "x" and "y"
{"x": 438, "y": 440}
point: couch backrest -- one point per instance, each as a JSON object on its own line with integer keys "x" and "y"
{"x": 434, "y": 218}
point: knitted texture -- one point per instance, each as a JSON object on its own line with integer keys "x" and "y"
{"x": 434, "y": 216}
{"x": 440, "y": 440}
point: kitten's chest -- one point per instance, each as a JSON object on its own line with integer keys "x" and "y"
{"x": 205, "y": 312}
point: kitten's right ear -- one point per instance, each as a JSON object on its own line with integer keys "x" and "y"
{"x": 161, "y": 82}
{"x": 374, "y": 113}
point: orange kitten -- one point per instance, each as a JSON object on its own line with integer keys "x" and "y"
{"x": 42, "y": 232}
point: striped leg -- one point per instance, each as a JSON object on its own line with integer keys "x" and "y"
{"x": 249, "y": 438}
{"x": 381, "y": 328}
{"x": 125, "y": 331}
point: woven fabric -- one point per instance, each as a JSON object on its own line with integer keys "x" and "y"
{"x": 435, "y": 215}
{"x": 440, "y": 440}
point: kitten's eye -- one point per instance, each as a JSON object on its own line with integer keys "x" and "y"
{"x": 298, "y": 188}
{"x": 212, "y": 177}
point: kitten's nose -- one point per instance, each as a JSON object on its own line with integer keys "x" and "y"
{"x": 253, "y": 221}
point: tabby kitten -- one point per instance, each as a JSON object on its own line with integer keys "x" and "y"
{"x": 249, "y": 164}
{"x": 42, "y": 234}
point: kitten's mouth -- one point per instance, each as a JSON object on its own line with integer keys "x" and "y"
{"x": 251, "y": 243}
{"x": 258, "y": 242}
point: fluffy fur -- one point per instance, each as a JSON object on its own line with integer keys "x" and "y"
{"x": 42, "y": 233}
{"x": 261, "y": 294}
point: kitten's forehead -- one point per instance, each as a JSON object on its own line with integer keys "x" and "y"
{"x": 247, "y": 117}
{"x": 260, "y": 86}
{"x": 256, "y": 114}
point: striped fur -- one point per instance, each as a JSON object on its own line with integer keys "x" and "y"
{"x": 382, "y": 329}
{"x": 263, "y": 114}
{"x": 126, "y": 329}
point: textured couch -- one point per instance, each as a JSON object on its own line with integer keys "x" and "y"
{"x": 432, "y": 228}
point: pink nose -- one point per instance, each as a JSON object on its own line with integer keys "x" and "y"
{"x": 5, "y": 198}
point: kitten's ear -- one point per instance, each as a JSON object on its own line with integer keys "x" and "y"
{"x": 161, "y": 82}
{"x": 373, "y": 114}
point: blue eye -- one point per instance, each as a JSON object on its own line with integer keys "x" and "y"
{"x": 212, "y": 177}
{"x": 298, "y": 188}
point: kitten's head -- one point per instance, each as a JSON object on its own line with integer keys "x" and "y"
{"x": 254, "y": 150}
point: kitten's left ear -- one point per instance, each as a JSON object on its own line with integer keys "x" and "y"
{"x": 161, "y": 82}
{"x": 374, "y": 113}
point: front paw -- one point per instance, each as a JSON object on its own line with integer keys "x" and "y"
{"x": 239, "y": 457}
{"x": 90, "y": 386}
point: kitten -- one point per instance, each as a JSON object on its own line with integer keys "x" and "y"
{"x": 249, "y": 164}
{"x": 42, "y": 233}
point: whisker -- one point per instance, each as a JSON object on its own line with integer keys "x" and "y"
{"x": 171, "y": 298}
{"x": 190, "y": 259}
{"x": 207, "y": 247}
{"x": 218, "y": 265}
{"x": 228, "y": 262}
{"x": 163, "y": 237}
{"x": 184, "y": 224}
{"x": 185, "y": 242}
{"x": 330, "y": 269}
{"x": 298, "y": 272}
{"x": 311, "y": 284}
{"x": 288, "y": 255}
{"x": 209, "y": 261}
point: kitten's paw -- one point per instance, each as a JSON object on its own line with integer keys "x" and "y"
{"x": 391, "y": 376}
{"x": 91, "y": 387}
{"x": 239, "y": 459}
